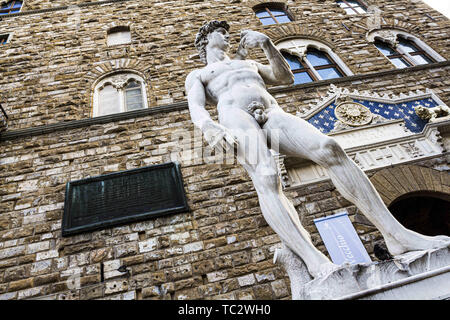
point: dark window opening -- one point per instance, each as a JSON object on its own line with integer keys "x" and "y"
{"x": 427, "y": 214}
{"x": 4, "y": 39}
{"x": 118, "y": 29}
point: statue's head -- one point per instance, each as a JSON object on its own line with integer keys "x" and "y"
{"x": 201, "y": 41}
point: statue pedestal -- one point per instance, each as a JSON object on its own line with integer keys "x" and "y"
{"x": 414, "y": 275}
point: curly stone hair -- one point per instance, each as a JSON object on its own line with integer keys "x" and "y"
{"x": 201, "y": 39}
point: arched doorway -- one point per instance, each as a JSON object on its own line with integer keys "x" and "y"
{"x": 427, "y": 213}
{"x": 418, "y": 197}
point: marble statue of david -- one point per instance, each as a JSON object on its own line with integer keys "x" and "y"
{"x": 238, "y": 88}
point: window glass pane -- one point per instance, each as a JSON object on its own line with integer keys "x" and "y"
{"x": 360, "y": 10}
{"x": 278, "y": 12}
{"x": 407, "y": 45}
{"x": 118, "y": 37}
{"x": 349, "y": 11}
{"x": 283, "y": 19}
{"x": 317, "y": 58}
{"x": 262, "y": 13}
{"x": 330, "y": 73}
{"x": 109, "y": 100}
{"x": 385, "y": 48}
{"x": 133, "y": 84}
{"x": 134, "y": 99}
{"x": 267, "y": 21}
{"x": 400, "y": 63}
{"x": 293, "y": 61}
{"x": 421, "y": 59}
{"x": 17, "y": 4}
{"x": 302, "y": 77}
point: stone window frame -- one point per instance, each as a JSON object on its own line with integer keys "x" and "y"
{"x": 361, "y": 4}
{"x": 299, "y": 48}
{"x": 116, "y": 29}
{"x": 118, "y": 79}
{"x": 5, "y": 38}
{"x": 390, "y": 37}
{"x": 273, "y": 5}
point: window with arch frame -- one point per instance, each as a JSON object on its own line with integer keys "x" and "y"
{"x": 120, "y": 92}
{"x": 272, "y": 14}
{"x": 118, "y": 35}
{"x": 9, "y": 7}
{"x": 312, "y": 60}
{"x": 405, "y": 54}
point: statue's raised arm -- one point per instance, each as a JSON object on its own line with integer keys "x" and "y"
{"x": 278, "y": 72}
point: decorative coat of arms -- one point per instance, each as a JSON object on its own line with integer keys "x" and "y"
{"x": 353, "y": 114}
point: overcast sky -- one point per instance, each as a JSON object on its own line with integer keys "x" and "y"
{"x": 442, "y": 6}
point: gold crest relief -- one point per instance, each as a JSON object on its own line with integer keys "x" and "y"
{"x": 353, "y": 114}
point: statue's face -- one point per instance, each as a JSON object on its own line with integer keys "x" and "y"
{"x": 219, "y": 38}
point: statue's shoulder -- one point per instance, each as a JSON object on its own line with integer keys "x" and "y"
{"x": 192, "y": 77}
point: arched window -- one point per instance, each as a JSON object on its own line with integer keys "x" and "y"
{"x": 119, "y": 93}
{"x": 403, "y": 50}
{"x": 352, "y": 6}
{"x": 11, "y": 7}
{"x": 312, "y": 61}
{"x": 405, "y": 54}
{"x": 272, "y": 14}
{"x": 118, "y": 35}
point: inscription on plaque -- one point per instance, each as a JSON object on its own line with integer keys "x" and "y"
{"x": 123, "y": 197}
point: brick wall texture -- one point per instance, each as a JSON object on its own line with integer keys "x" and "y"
{"x": 223, "y": 248}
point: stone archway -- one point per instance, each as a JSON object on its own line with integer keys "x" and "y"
{"x": 418, "y": 197}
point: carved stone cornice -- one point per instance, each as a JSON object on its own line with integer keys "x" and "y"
{"x": 338, "y": 94}
{"x": 118, "y": 81}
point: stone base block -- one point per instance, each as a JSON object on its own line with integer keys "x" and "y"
{"x": 417, "y": 275}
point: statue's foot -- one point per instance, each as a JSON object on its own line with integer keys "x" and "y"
{"x": 413, "y": 241}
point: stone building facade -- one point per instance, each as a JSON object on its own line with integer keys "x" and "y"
{"x": 222, "y": 248}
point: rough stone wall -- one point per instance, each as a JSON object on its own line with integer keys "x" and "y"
{"x": 221, "y": 249}
{"x": 52, "y": 54}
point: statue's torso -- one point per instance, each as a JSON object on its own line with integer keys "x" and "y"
{"x": 235, "y": 83}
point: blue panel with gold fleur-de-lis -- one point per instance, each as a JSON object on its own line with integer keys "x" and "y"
{"x": 326, "y": 118}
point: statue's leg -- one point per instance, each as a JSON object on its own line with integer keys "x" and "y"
{"x": 301, "y": 139}
{"x": 277, "y": 210}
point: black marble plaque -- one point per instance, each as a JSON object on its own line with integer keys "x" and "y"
{"x": 123, "y": 197}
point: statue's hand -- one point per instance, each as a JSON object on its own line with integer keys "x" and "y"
{"x": 252, "y": 39}
{"x": 219, "y": 137}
